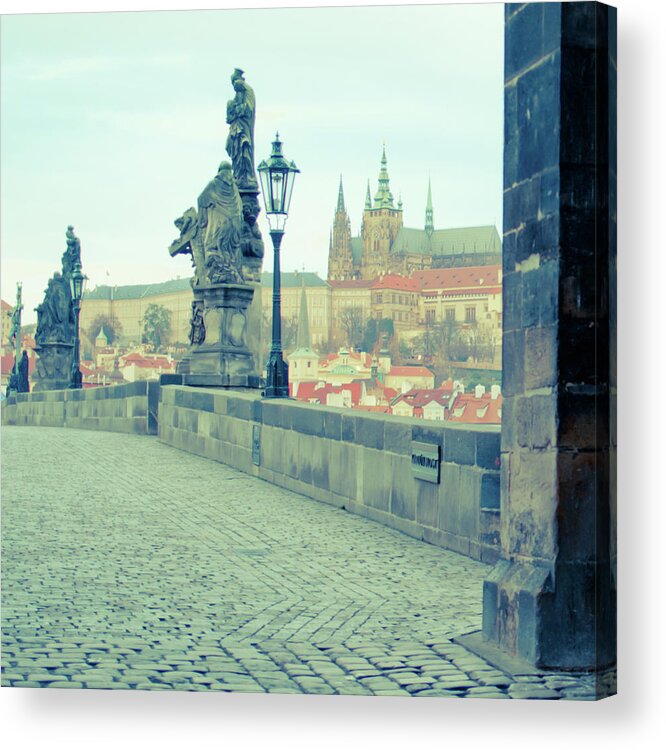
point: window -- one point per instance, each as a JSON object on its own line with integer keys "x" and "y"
{"x": 470, "y": 314}
{"x": 429, "y": 317}
{"x": 379, "y": 298}
{"x": 450, "y": 313}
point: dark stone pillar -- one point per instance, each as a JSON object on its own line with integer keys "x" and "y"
{"x": 551, "y": 598}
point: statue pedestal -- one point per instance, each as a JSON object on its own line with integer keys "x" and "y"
{"x": 222, "y": 358}
{"x": 54, "y": 366}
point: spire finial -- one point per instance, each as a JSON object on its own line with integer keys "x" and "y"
{"x": 341, "y": 198}
{"x": 429, "y": 222}
{"x": 303, "y": 333}
{"x": 383, "y": 198}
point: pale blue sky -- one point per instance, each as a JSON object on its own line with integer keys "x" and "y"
{"x": 114, "y": 122}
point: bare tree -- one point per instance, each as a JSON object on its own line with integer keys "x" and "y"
{"x": 352, "y": 322}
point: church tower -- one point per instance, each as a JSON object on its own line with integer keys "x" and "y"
{"x": 381, "y": 223}
{"x": 340, "y": 262}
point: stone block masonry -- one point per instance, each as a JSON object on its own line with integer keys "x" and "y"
{"x": 356, "y": 461}
{"x": 551, "y": 598}
{"x": 130, "y": 408}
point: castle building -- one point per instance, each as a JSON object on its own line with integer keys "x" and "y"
{"x": 386, "y": 246}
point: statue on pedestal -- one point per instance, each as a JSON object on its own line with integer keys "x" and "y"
{"x": 56, "y": 333}
{"x": 222, "y": 237}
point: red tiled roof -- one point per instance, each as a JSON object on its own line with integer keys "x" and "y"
{"x": 312, "y": 390}
{"x": 484, "y": 278}
{"x": 419, "y": 397}
{"x": 5, "y": 305}
{"x": 393, "y": 281}
{"x": 7, "y": 363}
{"x": 472, "y": 407}
{"x": 358, "y": 358}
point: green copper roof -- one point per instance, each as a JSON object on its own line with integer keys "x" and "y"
{"x": 343, "y": 370}
{"x": 463, "y": 240}
{"x": 304, "y": 353}
{"x": 368, "y": 199}
{"x": 293, "y": 279}
{"x": 357, "y": 249}
{"x": 137, "y": 291}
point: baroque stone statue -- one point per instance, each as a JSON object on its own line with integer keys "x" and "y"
{"x": 197, "y": 327}
{"x": 55, "y": 315}
{"x": 23, "y": 379}
{"x": 72, "y": 254}
{"x": 220, "y": 221}
{"x": 240, "y": 141}
{"x": 189, "y": 243}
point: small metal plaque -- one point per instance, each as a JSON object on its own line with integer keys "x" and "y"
{"x": 426, "y": 461}
{"x": 256, "y": 444}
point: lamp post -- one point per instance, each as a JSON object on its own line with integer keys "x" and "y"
{"x": 277, "y": 182}
{"x": 77, "y": 282}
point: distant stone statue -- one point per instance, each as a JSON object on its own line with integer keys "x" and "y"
{"x": 15, "y": 329}
{"x": 240, "y": 141}
{"x": 12, "y": 384}
{"x": 197, "y": 327}
{"x": 73, "y": 253}
{"x": 252, "y": 245}
{"x": 55, "y": 317}
{"x": 23, "y": 384}
{"x": 220, "y": 221}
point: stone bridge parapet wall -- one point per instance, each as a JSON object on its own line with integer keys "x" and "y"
{"x": 356, "y": 461}
{"x": 131, "y": 407}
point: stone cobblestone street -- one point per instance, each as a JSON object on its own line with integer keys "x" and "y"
{"x": 129, "y": 564}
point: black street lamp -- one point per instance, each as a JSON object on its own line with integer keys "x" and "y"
{"x": 77, "y": 283}
{"x": 277, "y": 182}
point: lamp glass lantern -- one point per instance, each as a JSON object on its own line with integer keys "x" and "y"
{"x": 277, "y": 176}
{"x": 77, "y": 282}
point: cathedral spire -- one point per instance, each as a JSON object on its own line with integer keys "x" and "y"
{"x": 303, "y": 334}
{"x": 383, "y": 197}
{"x": 429, "y": 224}
{"x": 341, "y": 199}
{"x": 368, "y": 199}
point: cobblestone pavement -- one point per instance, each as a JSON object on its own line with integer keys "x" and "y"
{"x": 129, "y": 564}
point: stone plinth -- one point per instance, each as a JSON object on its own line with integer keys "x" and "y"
{"x": 220, "y": 355}
{"x": 54, "y": 366}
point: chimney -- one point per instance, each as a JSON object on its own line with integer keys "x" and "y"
{"x": 495, "y": 391}
{"x": 479, "y": 391}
